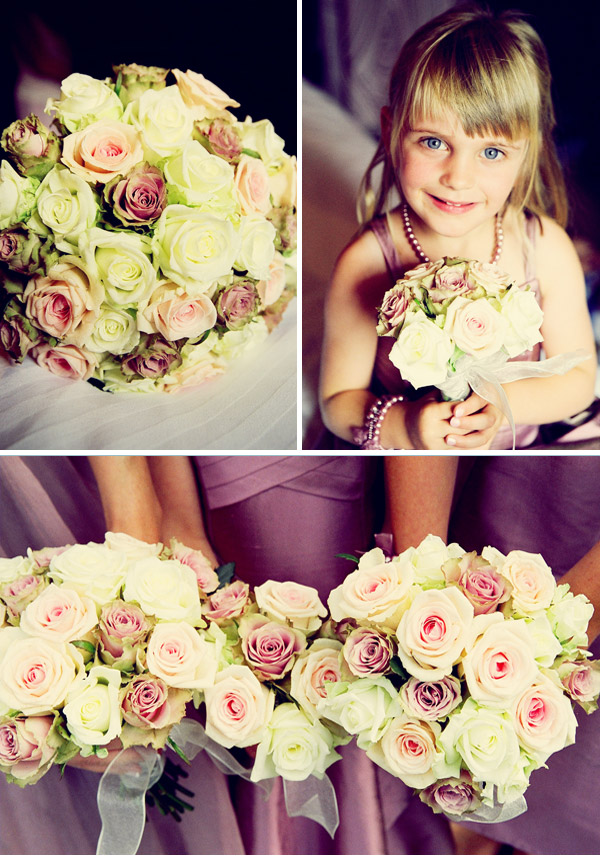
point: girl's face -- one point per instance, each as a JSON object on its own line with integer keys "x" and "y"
{"x": 455, "y": 183}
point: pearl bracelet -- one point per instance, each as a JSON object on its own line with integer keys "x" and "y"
{"x": 367, "y": 436}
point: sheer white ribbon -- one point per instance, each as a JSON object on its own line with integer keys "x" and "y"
{"x": 496, "y": 813}
{"x": 487, "y": 376}
{"x": 122, "y": 789}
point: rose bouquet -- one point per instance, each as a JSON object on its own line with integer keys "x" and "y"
{"x": 150, "y": 240}
{"x": 459, "y": 671}
{"x": 454, "y": 317}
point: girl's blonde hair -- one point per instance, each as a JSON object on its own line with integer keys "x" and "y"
{"x": 492, "y": 71}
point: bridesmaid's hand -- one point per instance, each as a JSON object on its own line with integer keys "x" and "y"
{"x": 93, "y": 762}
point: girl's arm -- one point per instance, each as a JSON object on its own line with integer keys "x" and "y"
{"x": 584, "y": 578}
{"x": 128, "y": 497}
{"x": 566, "y": 328}
{"x": 350, "y": 346}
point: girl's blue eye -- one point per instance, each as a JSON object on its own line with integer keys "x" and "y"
{"x": 432, "y": 142}
{"x": 493, "y": 154}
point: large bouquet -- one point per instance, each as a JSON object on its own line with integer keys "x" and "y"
{"x": 453, "y": 318}
{"x": 149, "y": 241}
{"x": 460, "y": 671}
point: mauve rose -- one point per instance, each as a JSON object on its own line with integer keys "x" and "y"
{"x": 224, "y": 140}
{"x": 136, "y": 79}
{"x": 27, "y": 748}
{"x": 285, "y": 222}
{"x": 238, "y": 304}
{"x": 148, "y": 703}
{"x": 430, "y": 700}
{"x": 152, "y": 359}
{"x": 32, "y": 148}
{"x": 483, "y": 586}
{"x": 65, "y": 360}
{"x": 122, "y": 628}
{"x": 138, "y": 198}
{"x": 393, "y": 310}
{"x": 450, "y": 282}
{"x": 269, "y": 648}
{"x": 452, "y": 795}
{"x": 367, "y": 652}
{"x": 581, "y": 679}
{"x": 228, "y": 602}
{"x": 17, "y": 334}
{"x": 25, "y": 252}
{"x": 42, "y": 557}
{"x": 206, "y": 577}
{"x": 20, "y": 593}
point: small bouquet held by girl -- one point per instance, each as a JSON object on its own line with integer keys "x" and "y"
{"x": 150, "y": 240}
{"x": 459, "y": 671}
{"x": 104, "y": 647}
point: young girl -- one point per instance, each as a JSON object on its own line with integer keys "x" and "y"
{"x": 467, "y": 145}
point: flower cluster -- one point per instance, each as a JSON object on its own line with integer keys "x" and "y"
{"x": 455, "y": 313}
{"x": 459, "y": 670}
{"x": 149, "y": 240}
{"x": 113, "y": 641}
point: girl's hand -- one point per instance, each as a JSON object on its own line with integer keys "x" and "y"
{"x": 432, "y": 425}
{"x": 474, "y": 423}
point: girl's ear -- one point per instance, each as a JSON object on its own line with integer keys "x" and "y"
{"x": 386, "y": 125}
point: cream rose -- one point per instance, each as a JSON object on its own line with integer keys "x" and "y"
{"x": 475, "y": 326}
{"x": 114, "y": 331}
{"x": 122, "y": 262}
{"x": 13, "y": 568}
{"x": 490, "y": 277}
{"x": 182, "y": 657}
{"x": 544, "y": 720}
{"x": 166, "y": 589}
{"x": 271, "y": 289}
{"x": 59, "y": 614}
{"x": 422, "y": 351}
{"x": 378, "y": 591}
{"x": 407, "y": 749}
{"x": 133, "y": 548}
{"x": 238, "y": 708}
{"x": 569, "y": 615}
{"x": 201, "y": 179}
{"x": 433, "y": 633}
{"x": 67, "y": 206}
{"x": 198, "y": 92}
{"x": 363, "y": 707}
{"x": 532, "y": 581}
{"x": 283, "y": 183}
{"x": 102, "y": 150}
{"x": 92, "y": 570}
{"x": 425, "y": 561}
{"x": 262, "y": 138}
{"x": 163, "y": 120}
{"x": 84, "y": 100}
{"x": 257, "y": 248}
{"x": 35, "y": 674}
{"x": 291, "y": 603}
{"x": 92, "y": 710}
{"x": 16, "y": 195}
{"x": 174, "y": 314}
{"x": 521, "y": 310}
{"x": 311, "y": 672}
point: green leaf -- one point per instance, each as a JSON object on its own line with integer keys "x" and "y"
{"x": 178, "y": 750}
{"x": 225, "y": 572}
{"x": 85, "y": 646}
{"x": 252, "y": 152}
{"x": 347, "y": 556}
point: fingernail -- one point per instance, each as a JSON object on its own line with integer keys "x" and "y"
{"x": 459, "y": 412}
{"x": 455, "y": 422}
{"x": 450, "y": 440}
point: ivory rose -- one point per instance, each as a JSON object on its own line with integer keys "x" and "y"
{"x": 363, "y": 707}
{"x": 166, "y": 589}
{"x": 27, "y": 748}
{"x": 531, "y": 579}
{"x": 569, "y": 615}
{"x": 291, "y": 603}
{"x": 122, "y": 261}
{"x": 422, "y": 351}
{"x": 175, "y": 314}
{"x": 103, "y": 150}
{"x": 426, "y": 561}
{"x": 92, "y": 710}
{"x": 133, "y": 548}
{"x": 114, "y": 331}
{"x": 59, "y": 614}
{"x": 198, "y": 178}
{"x": 318, "y": 666}
{"x": 475, "y": 326}
{"x": 544, "y": 720}
{"x": 407, "y": 749}
{"x": 433, "y": 633}
{"x": 269, "y": 647}
{"x": 257, "y": 248}
{"x": 92, "y": 569}
{"x": 181, "y": 656}
{"x": 84, "y": 100}
{"x": 377, "y": 591}
{"x": 261, "y": 137}
{"x": 16, "y": 195}
{"x": 238, "y": 708}
{"x": 283, "y": 183}
{"x": 12, "y": 568}
{"x": 67, "y": 206}
{"x": 67, "y": 360}
{"x": 163, "y": 120}
{"x": 524, "y": 315}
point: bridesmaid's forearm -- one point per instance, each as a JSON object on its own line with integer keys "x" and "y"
{"x": 584, "y": 578}
{"x": 127, "y": 493}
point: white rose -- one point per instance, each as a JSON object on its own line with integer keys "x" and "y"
{"x": 122, "y": 261}
{"x": 291, "y": 603}
{"x": 201, "y": 179}
{"x": 233, "y": 344}
{"x": 500, "y": 664}
{"x": 283, "y": 183}
{"x": 84, "y": 100}
{"x": 521, "y": 310}
{"x": 475, "y": 326}
{"x": 60, "y": 614}
{"x": 13, "y": 568}
{"x": 378, "y": 591}
{"x": 532, "y": 580}
{"x": 294, "y": 747}
{"x": 427, "y": 559}
{"x": 182, "y": 657}
{"x": 163, "y": 120}
{"x": 312, "y": 671}
{"x": 35, "y": 674}
{"x": 93, "y": 711}
{"x": 194, "y": 248}
{"x": 262, "y": 138}
{"x": 166, "y": 589}
{"x": 16, "y": 195}
{"x": 546, "y": 645}
{"x": 238, "y": 707}
{"x": 92, "y": 570}
{"x": 422, "y": 351}
{"x": 544, "y": 720}
{"x": 433, "y": 633}
{"x": 363, "y": 707}
{"x": 407, "y": 749}
{"x": 67, "y": 206}
{"x": 114, "y": 331}
{"x": 257, "y": 248}
{"x": 569, "y": 615}
{"x": 131, "y": 546}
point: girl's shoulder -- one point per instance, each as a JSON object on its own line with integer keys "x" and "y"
{"x": 556, "y": 260}
{"x": 363, "y": 257}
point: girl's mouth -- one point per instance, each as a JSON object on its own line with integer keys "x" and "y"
{"x": 450, "y": 206}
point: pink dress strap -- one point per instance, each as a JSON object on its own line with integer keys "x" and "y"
{"x": 381, "y": 228}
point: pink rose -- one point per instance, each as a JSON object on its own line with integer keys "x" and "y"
{"x": 581, "y": 679}
{"x": 42, "y": 557}
{"x": 60, "y": 614}
{"x": 228, "y": 602}
{"x": 430, "y": 700}
{"x": 181, "y": 656}
{"x": 138, "y": 198}
{"x": 123, "y": 628}
{"x": 148, "y": 703}
{"x": 271, "y": 289}
{"x": 475, "y": 326}
{"x": 252, "y": 186}
{"x": 175, "y": 315}
{"x": 102, "y": 150}
{"x": 452, "y": 795}
{"x": 481, "y": 583}
{"x": 367, "y": 652}
{"x": 544, "y": 719}
{"x": 68, "y": 361}
{"x": 224, "y": 140}
{"x": 269, "y": 648}
{"x": 238, "y": 708}
{"x": 27, "y": 748}
{"x": 206, "y": 576}
{"x": 393, "y": 309}
{"x": 65, "y": 304}
{"x": 238, "y": 304}
{"x": 20, "y": 592}
{"x": 153, "y": 358}
{"x": 450, "y": 282}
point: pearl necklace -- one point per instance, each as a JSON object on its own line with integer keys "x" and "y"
{"x": 414, "y": 243}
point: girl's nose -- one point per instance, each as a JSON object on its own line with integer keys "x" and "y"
{"x": 458, "y": 172}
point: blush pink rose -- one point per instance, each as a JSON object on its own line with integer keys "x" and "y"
{"x": 175, "y": 315}
{"x": 269, "y": 648}
{"x": 544, "y": 719}
{"x": 102, "y": 150}
{"x": 581, "y": 679}
{"x": 207, "y": 579}
{"x": 19, "y": 593}
{"x": 252, "y": 186}
{"x": 431, "y": 700}
{"x": 60, "y": 614}
{"x": 475, "y": 326}
{"x": 318, "y": 666}
{"x": 407, "y": 749}
{"x": 122, "y": 628}
{"x": 42, "y": 557}
{"x": 198, "y": 91}
{"x": 228, "y": 602}
{"x": 65, "y": 304}
{"x": 67, "y": 361}
{"x": 367, "y": 652}
{"x": 238, "y": 708}
{"x": 148, "y": 703}
{"x": 452, "y": 795}
{"x": 271, "y": 289}
{"x": 181, "y": 656}
{"x": 27, "y": 748}
{"x": 483, "y": 586}
{"x": 290, "y": 603}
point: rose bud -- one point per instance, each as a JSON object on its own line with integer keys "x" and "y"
{"x": 138, "y": 198}
{"x": 133, "y": 80}
{"x": 224, "y": 140}
{"x": 25, "y": 252}
{"x": 238, "y": 304}
{"x": 123, "y": 628}
{"x": 33, "y": 149}
{"x": 17, "y": 334}
{"x": 152, "y": 359}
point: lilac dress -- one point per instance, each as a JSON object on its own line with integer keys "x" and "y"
{"x": 549, "y": 505}
{"x": 287, "y": 518}
{"x": 386, "y": 377}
